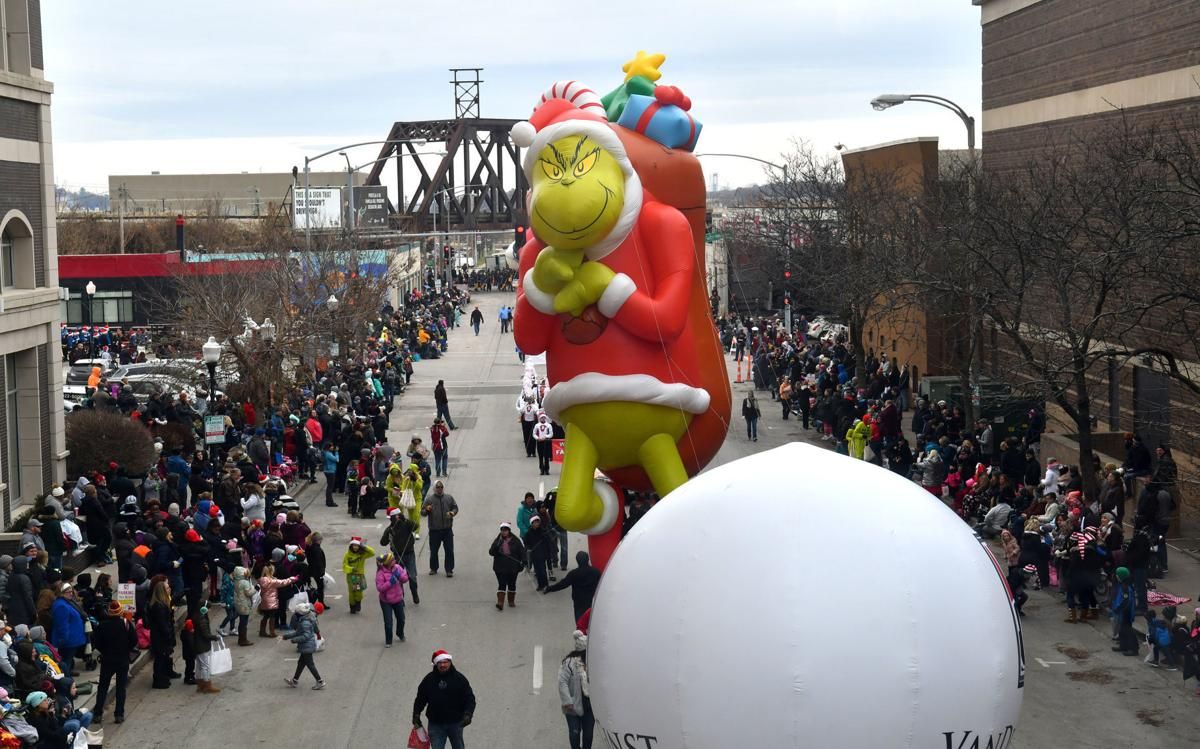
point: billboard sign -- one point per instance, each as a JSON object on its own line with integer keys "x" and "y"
{"x": 317, "y": 208}
{"x": 370, "y": 206}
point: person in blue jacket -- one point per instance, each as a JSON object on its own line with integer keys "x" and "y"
{"x": 1124, "y": 609}
{"x": 179, "y": 465}
{"x": 68, "y": 632}
{"x": 331, "y": 465}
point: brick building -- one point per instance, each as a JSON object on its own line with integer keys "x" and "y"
{"x": 1060, "y": 69}
{"x": 32, "y": 450}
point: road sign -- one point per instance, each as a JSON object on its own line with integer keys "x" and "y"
{"x": 214, "y": 430}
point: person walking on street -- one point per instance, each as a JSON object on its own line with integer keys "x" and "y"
{"x": 305, "y": 634}
{"x": 574, "y": 694}
{"x": 476, "y": 319}
{"x": 399, "y": 537}
{"x": 115, "y": 639}
{"x": 583, "y": 581}
{"x": 443, "y": 403}
{"x": 389, "y": 582}
{"x": 539, "y": 545}
{"x": 750, "y": 413}
{"x": 508, "y": 559}
{"x": 543, "y": 438}
{"x": 441, "y": 509}
{"x": 353, "y": 563}
{"x": 445, "y": 696}
{"x": 441, "y": 452}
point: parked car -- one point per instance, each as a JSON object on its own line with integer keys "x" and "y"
{"x": 81, "y": 370}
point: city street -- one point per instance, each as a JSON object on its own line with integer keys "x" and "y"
{"x": 512, "y": 657}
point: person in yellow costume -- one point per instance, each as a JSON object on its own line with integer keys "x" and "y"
{"x": 856, "y": 438}
{"x": 395, "y": 484}
{"x": 352, "y": 565}
{"x": 605, "y": 293}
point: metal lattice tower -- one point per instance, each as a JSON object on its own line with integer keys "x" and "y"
{"x": 466, "y": 92}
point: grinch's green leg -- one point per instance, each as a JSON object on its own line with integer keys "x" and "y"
{"x": 660, "y": 459}
{"x": 577, "y": 506}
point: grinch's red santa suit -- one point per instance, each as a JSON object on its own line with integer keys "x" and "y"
{"x": 633, "y": 345}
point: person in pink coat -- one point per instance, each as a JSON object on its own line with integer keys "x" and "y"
{"x": 389, "y": 582}
{"x": 268, "y": 587}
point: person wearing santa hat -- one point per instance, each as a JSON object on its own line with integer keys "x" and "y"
{"x": 543, "y": 435}
{"x": 353, "y": 565}
{"x": 605, "y": 293}
{"x": 446, "y": 698}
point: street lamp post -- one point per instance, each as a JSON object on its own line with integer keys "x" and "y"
{"x": 887, "y": 101}
{"x": 267, "y": 331}
{"x": 90, "y": 291}
{"x": 308, "y": 160}
{"x": 332, "y": 303}
{"x": 211, "y": 352}
{"x": 787, "y": 220}
{"x": 349, "y": 193}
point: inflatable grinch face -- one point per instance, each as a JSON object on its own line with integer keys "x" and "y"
{"x": 578, "y": 192}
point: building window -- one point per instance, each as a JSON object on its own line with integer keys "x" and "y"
{"x": 8, "y": 260}
{"x": 16, "y": 253}
{"x": 13, "y": 469}
{"x": 109, "y": 307}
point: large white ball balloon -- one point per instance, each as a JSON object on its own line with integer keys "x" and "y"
{"x": 800, "y": 598}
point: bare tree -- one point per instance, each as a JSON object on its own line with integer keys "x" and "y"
{"x": 290, "y": 288}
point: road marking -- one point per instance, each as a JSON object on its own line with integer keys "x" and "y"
{"x": 378, "y": 526}
{"x": 537, "y": 669}
{"x": 1048, "y": 664}
{"x": 334, "y": 596}
{"x": 541, "y": 490}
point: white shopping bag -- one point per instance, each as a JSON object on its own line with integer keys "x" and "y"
{"x": 220, "y": 660}
{"x": 296, "y": 600}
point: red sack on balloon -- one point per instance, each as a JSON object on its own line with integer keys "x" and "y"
{"x": 418, "y": 738}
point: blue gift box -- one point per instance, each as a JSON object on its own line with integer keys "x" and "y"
{"x": 667, "y": 124}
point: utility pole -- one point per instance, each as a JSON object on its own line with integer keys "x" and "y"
{"x": 121, "y": 214}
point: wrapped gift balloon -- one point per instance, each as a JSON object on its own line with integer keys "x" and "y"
{"x": 663, "y": 117}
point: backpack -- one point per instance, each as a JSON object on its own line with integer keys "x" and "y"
{"x": 1162, "y": 635}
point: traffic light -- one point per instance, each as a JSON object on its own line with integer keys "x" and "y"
{"x": 787, "y": 274}
{"x": 519, "y": 237}
{"x": 446, "y": 252}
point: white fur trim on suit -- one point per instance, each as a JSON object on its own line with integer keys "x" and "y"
{"x": 593, "y": 387}
{"x": 612, "y": 507}
{"x": 609, "y": 141}
{"x": 541, "y": 301}
{"x": 619, "y": 289}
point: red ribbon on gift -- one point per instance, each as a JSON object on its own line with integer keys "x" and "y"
{"x": 672, "y": 95}
{"x": 667, "y": 96}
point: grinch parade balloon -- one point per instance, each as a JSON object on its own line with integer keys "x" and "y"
{"x": 799, "y": 632}
{"x": 612, "y": 290}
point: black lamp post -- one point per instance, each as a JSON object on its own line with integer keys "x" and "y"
{"x": 90, "y": 292}
{"x": 212, "y": 355}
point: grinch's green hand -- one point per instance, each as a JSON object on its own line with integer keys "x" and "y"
{"x": 555, "y": 268}
{"x": 588, "y": 285}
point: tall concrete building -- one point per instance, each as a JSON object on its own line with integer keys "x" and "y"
{"x": 32, "y": 448}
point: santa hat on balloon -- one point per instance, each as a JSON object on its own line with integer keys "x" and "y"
{"x": 571, "y": 108}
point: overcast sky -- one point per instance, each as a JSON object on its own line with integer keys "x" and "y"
{"x": 254, "y": 85}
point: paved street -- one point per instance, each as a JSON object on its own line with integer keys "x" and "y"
{"x": 512, "y": 657}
